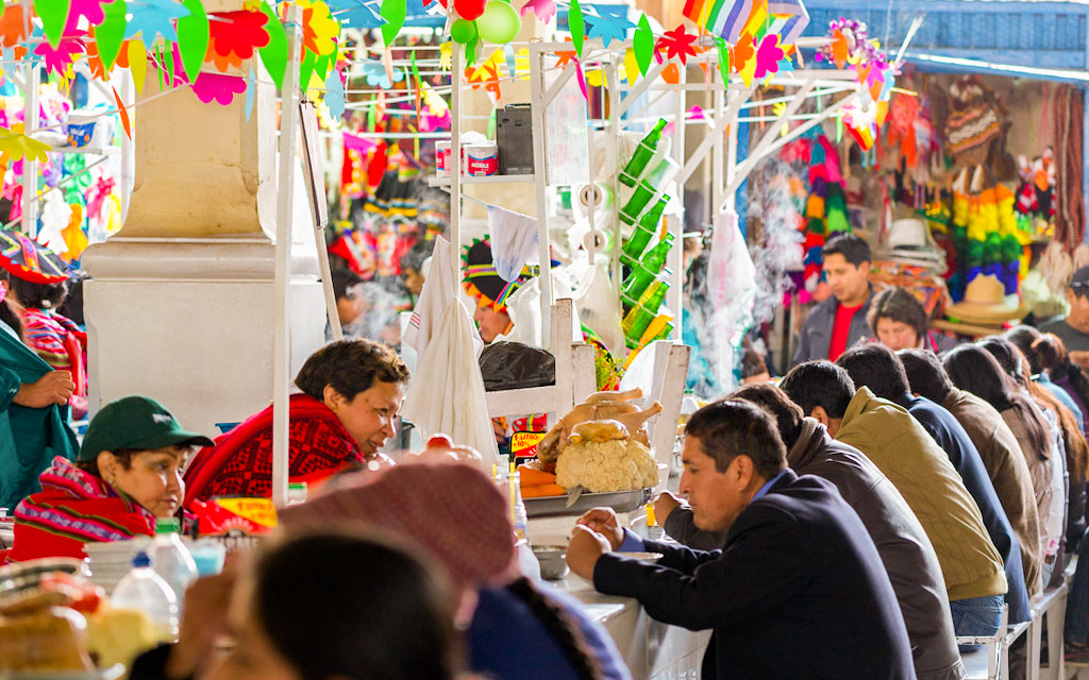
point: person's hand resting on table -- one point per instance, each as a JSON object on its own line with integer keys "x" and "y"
{"x": 595, "y": 533}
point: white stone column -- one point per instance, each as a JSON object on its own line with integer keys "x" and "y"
{"x": 180, "y": 307}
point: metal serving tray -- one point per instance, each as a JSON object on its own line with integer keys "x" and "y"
{"x": 620, "y": 501}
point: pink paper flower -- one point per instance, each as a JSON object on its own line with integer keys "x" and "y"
{"x": 219, "y": 87}
{"x": 768, "y": 55}
{"x": 57, "y": 60}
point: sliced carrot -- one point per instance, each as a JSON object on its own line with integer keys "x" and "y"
{"x": 533, "y": 477}
{"x": 543, "y": 490}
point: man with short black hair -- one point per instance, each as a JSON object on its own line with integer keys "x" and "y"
{"x": 997, "y": 447}
{"x": 798, "y": 582}
{"x": 877, "y": 367}
{"x": 1074, "y": 329}
{"x": 913, "y": 461}
{"x": 840, "y": 321}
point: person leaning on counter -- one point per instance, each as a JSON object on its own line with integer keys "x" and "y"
{"x": 798, "y": 584}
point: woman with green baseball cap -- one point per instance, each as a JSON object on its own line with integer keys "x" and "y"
{"x": 129, "y": 473}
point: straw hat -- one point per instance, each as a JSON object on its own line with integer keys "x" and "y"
{"x": 985, "y": 303}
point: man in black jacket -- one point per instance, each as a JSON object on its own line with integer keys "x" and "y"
{"x": 906, "y": 552}
{"x": 798, "y": 590}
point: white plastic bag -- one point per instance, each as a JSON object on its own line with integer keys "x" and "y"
{"x": 598, "y": 305}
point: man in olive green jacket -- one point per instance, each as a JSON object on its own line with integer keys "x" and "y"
{"x": 997, "y": 446}
{"x": 900, "y": 447}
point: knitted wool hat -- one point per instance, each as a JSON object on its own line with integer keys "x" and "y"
{"x": 451, "y": 510}
{"x": 481, "y": 278}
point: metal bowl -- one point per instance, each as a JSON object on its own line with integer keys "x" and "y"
{"x": 553, "y": 560}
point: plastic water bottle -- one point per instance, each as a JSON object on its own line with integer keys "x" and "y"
{"x": 144, "y": 590}
{"x": 171, "y": 559}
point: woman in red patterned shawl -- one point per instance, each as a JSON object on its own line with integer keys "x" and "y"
{"x": 128, "y": 474}
{"x": 351, "y": 391}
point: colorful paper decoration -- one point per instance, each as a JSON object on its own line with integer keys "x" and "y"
{"x": 723, "y": 59}
{"x": 677, "y": 43}
{"x": 273, "y": 55}
{"x": 57, "y": 59}
{"x": 376, "y": 76}
{"x": 193, "y": 37}
{"x": 54, "y": 16}
{"x": 394, "y": 12}
{"x": 576, "y": 26}
{"x": 631, "y": 66}
{"x": 13, "y": 25}
{"x": 153, "y": 17}
{"x": 88, "y": 9}
{"x": 334, "y": 95}
{"x": 110, "y": 34}
{"x": 123, "y": 113}
{"x": 233, "y": 37}
{"x": 643, "y": 44}
{"x": 544, "y": 10}
{"x": 357, "y": 15}
{"x": 221, "y": 88}
{"x": 14, "y": 145}
{"x": 320, "y": 29}
{"x": 610, "y": 24}
{"x": 768, "y": 56}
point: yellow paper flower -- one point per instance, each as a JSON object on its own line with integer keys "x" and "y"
{"x": 446, "y": 56}
{"x": 320, "y": 29}
{"x": 15, "y": 145}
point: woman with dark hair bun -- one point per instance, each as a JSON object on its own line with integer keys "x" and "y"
{"x": 318, "y": 606}
{"x": 972, "y": 368}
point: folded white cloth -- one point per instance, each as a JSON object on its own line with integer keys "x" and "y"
{"x": 514, "y": 241}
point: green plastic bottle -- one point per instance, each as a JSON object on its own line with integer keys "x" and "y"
{"x": 636, "y": 321}
{"x": 645, "y": 230}
{"x": 643, "y": 153}
{"x": 643, "y": 272}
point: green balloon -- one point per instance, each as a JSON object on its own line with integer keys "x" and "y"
{"x": 500, "y": 22}
{"x": 462, "y": 31}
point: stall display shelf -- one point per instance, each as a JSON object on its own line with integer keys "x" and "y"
{"x": 105, "y": 151}
{"x": 484, "y": 179}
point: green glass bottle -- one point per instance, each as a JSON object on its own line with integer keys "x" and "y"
{"x": 645, "y": 230}
{"x": 644, "y": 271}
{"x": 637, "y": 320}
{"x": 643, "y": 153}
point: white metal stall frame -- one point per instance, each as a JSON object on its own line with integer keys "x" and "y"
{"x": 730, "y": 100}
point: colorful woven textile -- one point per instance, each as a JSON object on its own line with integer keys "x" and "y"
{"x": 74, "y": 507}
{"x": 240, "y": 464}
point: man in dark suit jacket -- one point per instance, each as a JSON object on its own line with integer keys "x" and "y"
{"x": 798, "y": 590}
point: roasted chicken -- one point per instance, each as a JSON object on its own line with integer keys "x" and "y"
{"x": 599, "y": 406}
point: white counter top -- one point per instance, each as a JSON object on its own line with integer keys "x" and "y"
{"x": 653, "y": 650}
